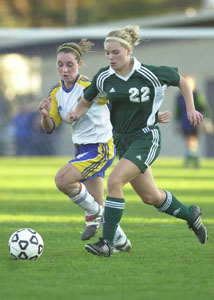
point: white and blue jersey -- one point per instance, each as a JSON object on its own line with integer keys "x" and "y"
{"x": 91, "y": 134}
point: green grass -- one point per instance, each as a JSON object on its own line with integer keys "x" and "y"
{"x": 167, "y": 261}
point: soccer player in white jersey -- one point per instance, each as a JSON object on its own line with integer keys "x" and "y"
{"x": 81, "y": 179}
{"x": 135, "y": 91}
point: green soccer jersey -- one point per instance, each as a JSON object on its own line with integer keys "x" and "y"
{"x": 135, "y": 99}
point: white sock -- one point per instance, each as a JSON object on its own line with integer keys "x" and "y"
{"x": 120, "y": 236}
{"x": 84, "y": 200}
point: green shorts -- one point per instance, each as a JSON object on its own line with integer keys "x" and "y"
{"x": 141, "y": 147}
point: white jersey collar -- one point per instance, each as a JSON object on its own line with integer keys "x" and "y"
{"x": 136, "y": 66}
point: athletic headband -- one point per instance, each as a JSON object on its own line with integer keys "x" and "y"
{"x": 68, "y": 47}
{"x": 117, "y": 39}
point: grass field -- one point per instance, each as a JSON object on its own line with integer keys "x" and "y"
{"x": 167, "y": 261}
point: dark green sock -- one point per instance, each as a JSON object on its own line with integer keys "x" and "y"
{"x": 173, "y": 207}
{"x": 112, "y": 215}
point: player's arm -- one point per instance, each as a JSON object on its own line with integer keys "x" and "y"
{"x": 194, "y": 116}
{"x": 89, "y": 93}
{"x": 44, "y": 109}
{"x": 80, "y": 110}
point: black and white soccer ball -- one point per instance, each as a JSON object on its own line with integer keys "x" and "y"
{"x": 26, "y": 244}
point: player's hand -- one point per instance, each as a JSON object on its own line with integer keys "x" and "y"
{"x": 163, "y": 117}
{"x": 71, "y": 117}
{"x": 45, "y": 106}
{"x": 195, "y": 117}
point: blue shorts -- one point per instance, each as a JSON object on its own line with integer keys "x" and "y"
{"x": 92, "y": 160}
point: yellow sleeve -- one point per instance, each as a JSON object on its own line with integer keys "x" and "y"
{"x": 54, "y": 112}
{"x": 85, "y": 82}
{"x": 102, "y": 101}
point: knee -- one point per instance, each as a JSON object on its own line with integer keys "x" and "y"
{"x": 113, "y": 184}
{"x": 59, "y": 181}
{"x": 151, "y": 199}
{"x": 147, "y": 199}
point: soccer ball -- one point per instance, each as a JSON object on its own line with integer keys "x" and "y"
{"x": 26, "y": 244}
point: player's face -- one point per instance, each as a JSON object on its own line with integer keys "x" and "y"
{"x": 68, "y": 67}
{"x": 117, "y": 55}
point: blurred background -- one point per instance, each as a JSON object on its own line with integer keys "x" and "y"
{"x": 176, "y": 33}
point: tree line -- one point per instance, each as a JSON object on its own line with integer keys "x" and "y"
{"x": 62, "y": 13}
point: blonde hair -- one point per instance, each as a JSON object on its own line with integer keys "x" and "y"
{"x": 78, "y": 49}
{"x": 128, "y": 36}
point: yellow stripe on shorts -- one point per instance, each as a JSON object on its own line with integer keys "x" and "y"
{"x": 90, "y": 165}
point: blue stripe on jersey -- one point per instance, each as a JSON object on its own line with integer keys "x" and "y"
{"x": 85, "y": 79}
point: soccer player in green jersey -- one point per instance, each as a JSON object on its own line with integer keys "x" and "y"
{"x": 135, "y": 92}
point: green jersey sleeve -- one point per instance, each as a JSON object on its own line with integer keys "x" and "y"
{"x": 91, "y": 91}
{"x": 169, "y": 76}
{"x": 166, "y": 75}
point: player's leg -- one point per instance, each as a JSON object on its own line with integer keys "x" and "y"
{"x": 91, "y": 162}
{"x": 123, "y": 173}
{"x": 145, "y": 187}
{"x": 95, "y": 187}
{"x": 114, "y": 206}
{"x": 166, "y": 202}
{"x": 121, "y": 243}
{"x": 126, "y": 170}
{"x": 68, "y": 181}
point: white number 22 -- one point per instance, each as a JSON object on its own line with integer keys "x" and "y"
{"x": 135, "y": 94}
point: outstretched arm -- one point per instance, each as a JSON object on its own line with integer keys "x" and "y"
{"x": 194, "y": 116}
{"x": 81, "y": 109}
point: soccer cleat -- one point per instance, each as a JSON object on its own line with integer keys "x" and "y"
{"x": 101, "y": 248}
{"x": 196, "y": 225}
{"x": 125, "y": 247}
{"x": 92, "y": 225}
